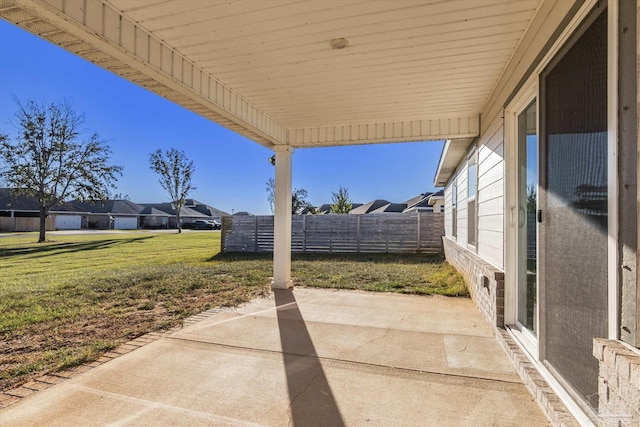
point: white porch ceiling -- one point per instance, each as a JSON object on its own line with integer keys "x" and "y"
{"x": 413, "y": 70}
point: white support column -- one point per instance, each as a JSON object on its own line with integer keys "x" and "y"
{"x": 282, "y": 219}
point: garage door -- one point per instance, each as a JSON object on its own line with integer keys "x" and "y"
{"x": 68, "y": 222}
{"x": 125, "y": 223}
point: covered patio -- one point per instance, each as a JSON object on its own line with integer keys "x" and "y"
{"x": 293, "y": 75}
{"x": 303, "y": 357}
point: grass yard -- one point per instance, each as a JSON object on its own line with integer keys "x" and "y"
{"x": 67, "y": 301}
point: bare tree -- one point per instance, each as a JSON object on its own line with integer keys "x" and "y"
{"x": 299, "y": 202}
{"x": 271, "y": 193}
{"x": 341, "y": 202}
{"x": 120, "y": 196}
{"x": 175, "y": 171}
{"x": 298, "y": 198}
{"x": 51, "y": 160}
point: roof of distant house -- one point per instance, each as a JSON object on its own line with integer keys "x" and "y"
{"x": 151, "y": 211}
{"x": 116, "y": 207}
{"x": 438, "y": 195}
{"x": 390, "y": 208}
{"x": 170, "y": 209}
{"x": 10, "y": 201}
{"x": 204, "y": 208}
{"x": 368, "y": 207}
{"x": 420, "y": 201}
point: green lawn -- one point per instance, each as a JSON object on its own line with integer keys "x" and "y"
{"x": 67, "y": 301}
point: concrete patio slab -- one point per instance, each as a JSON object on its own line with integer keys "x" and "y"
{"x": 306, "y": 357}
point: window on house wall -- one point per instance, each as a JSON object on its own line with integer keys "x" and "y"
{"x": 454, "y": 209}
{"x": 472, "y": 185}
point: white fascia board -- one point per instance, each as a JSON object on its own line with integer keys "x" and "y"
{"x": 434, "y": 199}
{"x": 452, "y": 155}
{"x": 375, "y": 133}
{"x": 99, "y": 25}
{"x": 438, "y": 179}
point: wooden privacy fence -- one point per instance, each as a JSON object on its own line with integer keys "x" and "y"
{"x": 20, "y": 223}
{"x": 368, "y": 233}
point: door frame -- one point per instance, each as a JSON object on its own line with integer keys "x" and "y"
{"x": 526, "y": 95}
{"x": 528, "y": 91}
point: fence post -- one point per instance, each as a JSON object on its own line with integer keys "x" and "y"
{"x": 222, "y": 232}
{"x": 330, "y": 239}
{"x": 304, "y": 234}
{"x": 255, "y": 234}
{"x": 419, "y": 243}
{"x": 358, "y": 233}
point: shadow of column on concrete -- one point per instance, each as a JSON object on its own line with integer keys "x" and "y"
{"x": 312, "y": 401}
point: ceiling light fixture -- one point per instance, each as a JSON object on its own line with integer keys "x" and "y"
{"x": 339, "y": 43}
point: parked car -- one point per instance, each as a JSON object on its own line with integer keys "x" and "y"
{"x": 217, "y": 225}
{"x": 199, "y": 224}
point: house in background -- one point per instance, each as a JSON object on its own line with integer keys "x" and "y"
{"x": 436, "y": 200}
{"x": 423, "y": 203}
{"x": 153, "y": 218}
{"x": 186, "y": 214}
{"x": 390, "y": 208}
{"x": 419, "y": 203}
{"x": 211, "y": 213}
{"x": 243, "y": 213}
{"x": 101, "y": 214}
{"x": 325, "y": 209}
{"x": 369, "y": 207}
{"x": 20, "y": 213}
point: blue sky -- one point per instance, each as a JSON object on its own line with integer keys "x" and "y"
{"x": 231, "y": 171}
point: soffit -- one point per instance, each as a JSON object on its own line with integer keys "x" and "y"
{"x": 413, "y": 70}
{"x": 452, "y": 155}
{"x": 406, "y": 59}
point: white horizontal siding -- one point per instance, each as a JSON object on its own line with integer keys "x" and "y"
{"x": 490, "y": 197}
{"x": 463, "y": 225}
{"x": 491, "y": 168}
{"x": 448, "y": 213}
{"x": 490, "y": 247}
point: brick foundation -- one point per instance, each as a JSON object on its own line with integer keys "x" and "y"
{"x": 619, "y": 372}
{"x": 485, "y": 282}
{"x": 488, "y": 295}
{"x": 618, "y": 383}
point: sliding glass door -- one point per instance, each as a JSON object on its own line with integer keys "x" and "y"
{"x": 573, "y": 209}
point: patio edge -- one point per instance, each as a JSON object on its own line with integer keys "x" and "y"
{"x": 43, "y": 382}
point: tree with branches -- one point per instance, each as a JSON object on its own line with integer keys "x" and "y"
{"x": 299, "y": 198}
{"x": 175, "y": 171}
{"x": 51, "y": 159}
{"x": 341, "y": 202}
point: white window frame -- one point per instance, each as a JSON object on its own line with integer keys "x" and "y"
{"x": 454, "y": 208}
{"x": 472, "y": 231}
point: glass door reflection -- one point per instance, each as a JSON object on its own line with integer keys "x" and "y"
{"x": 526, "y": 218}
